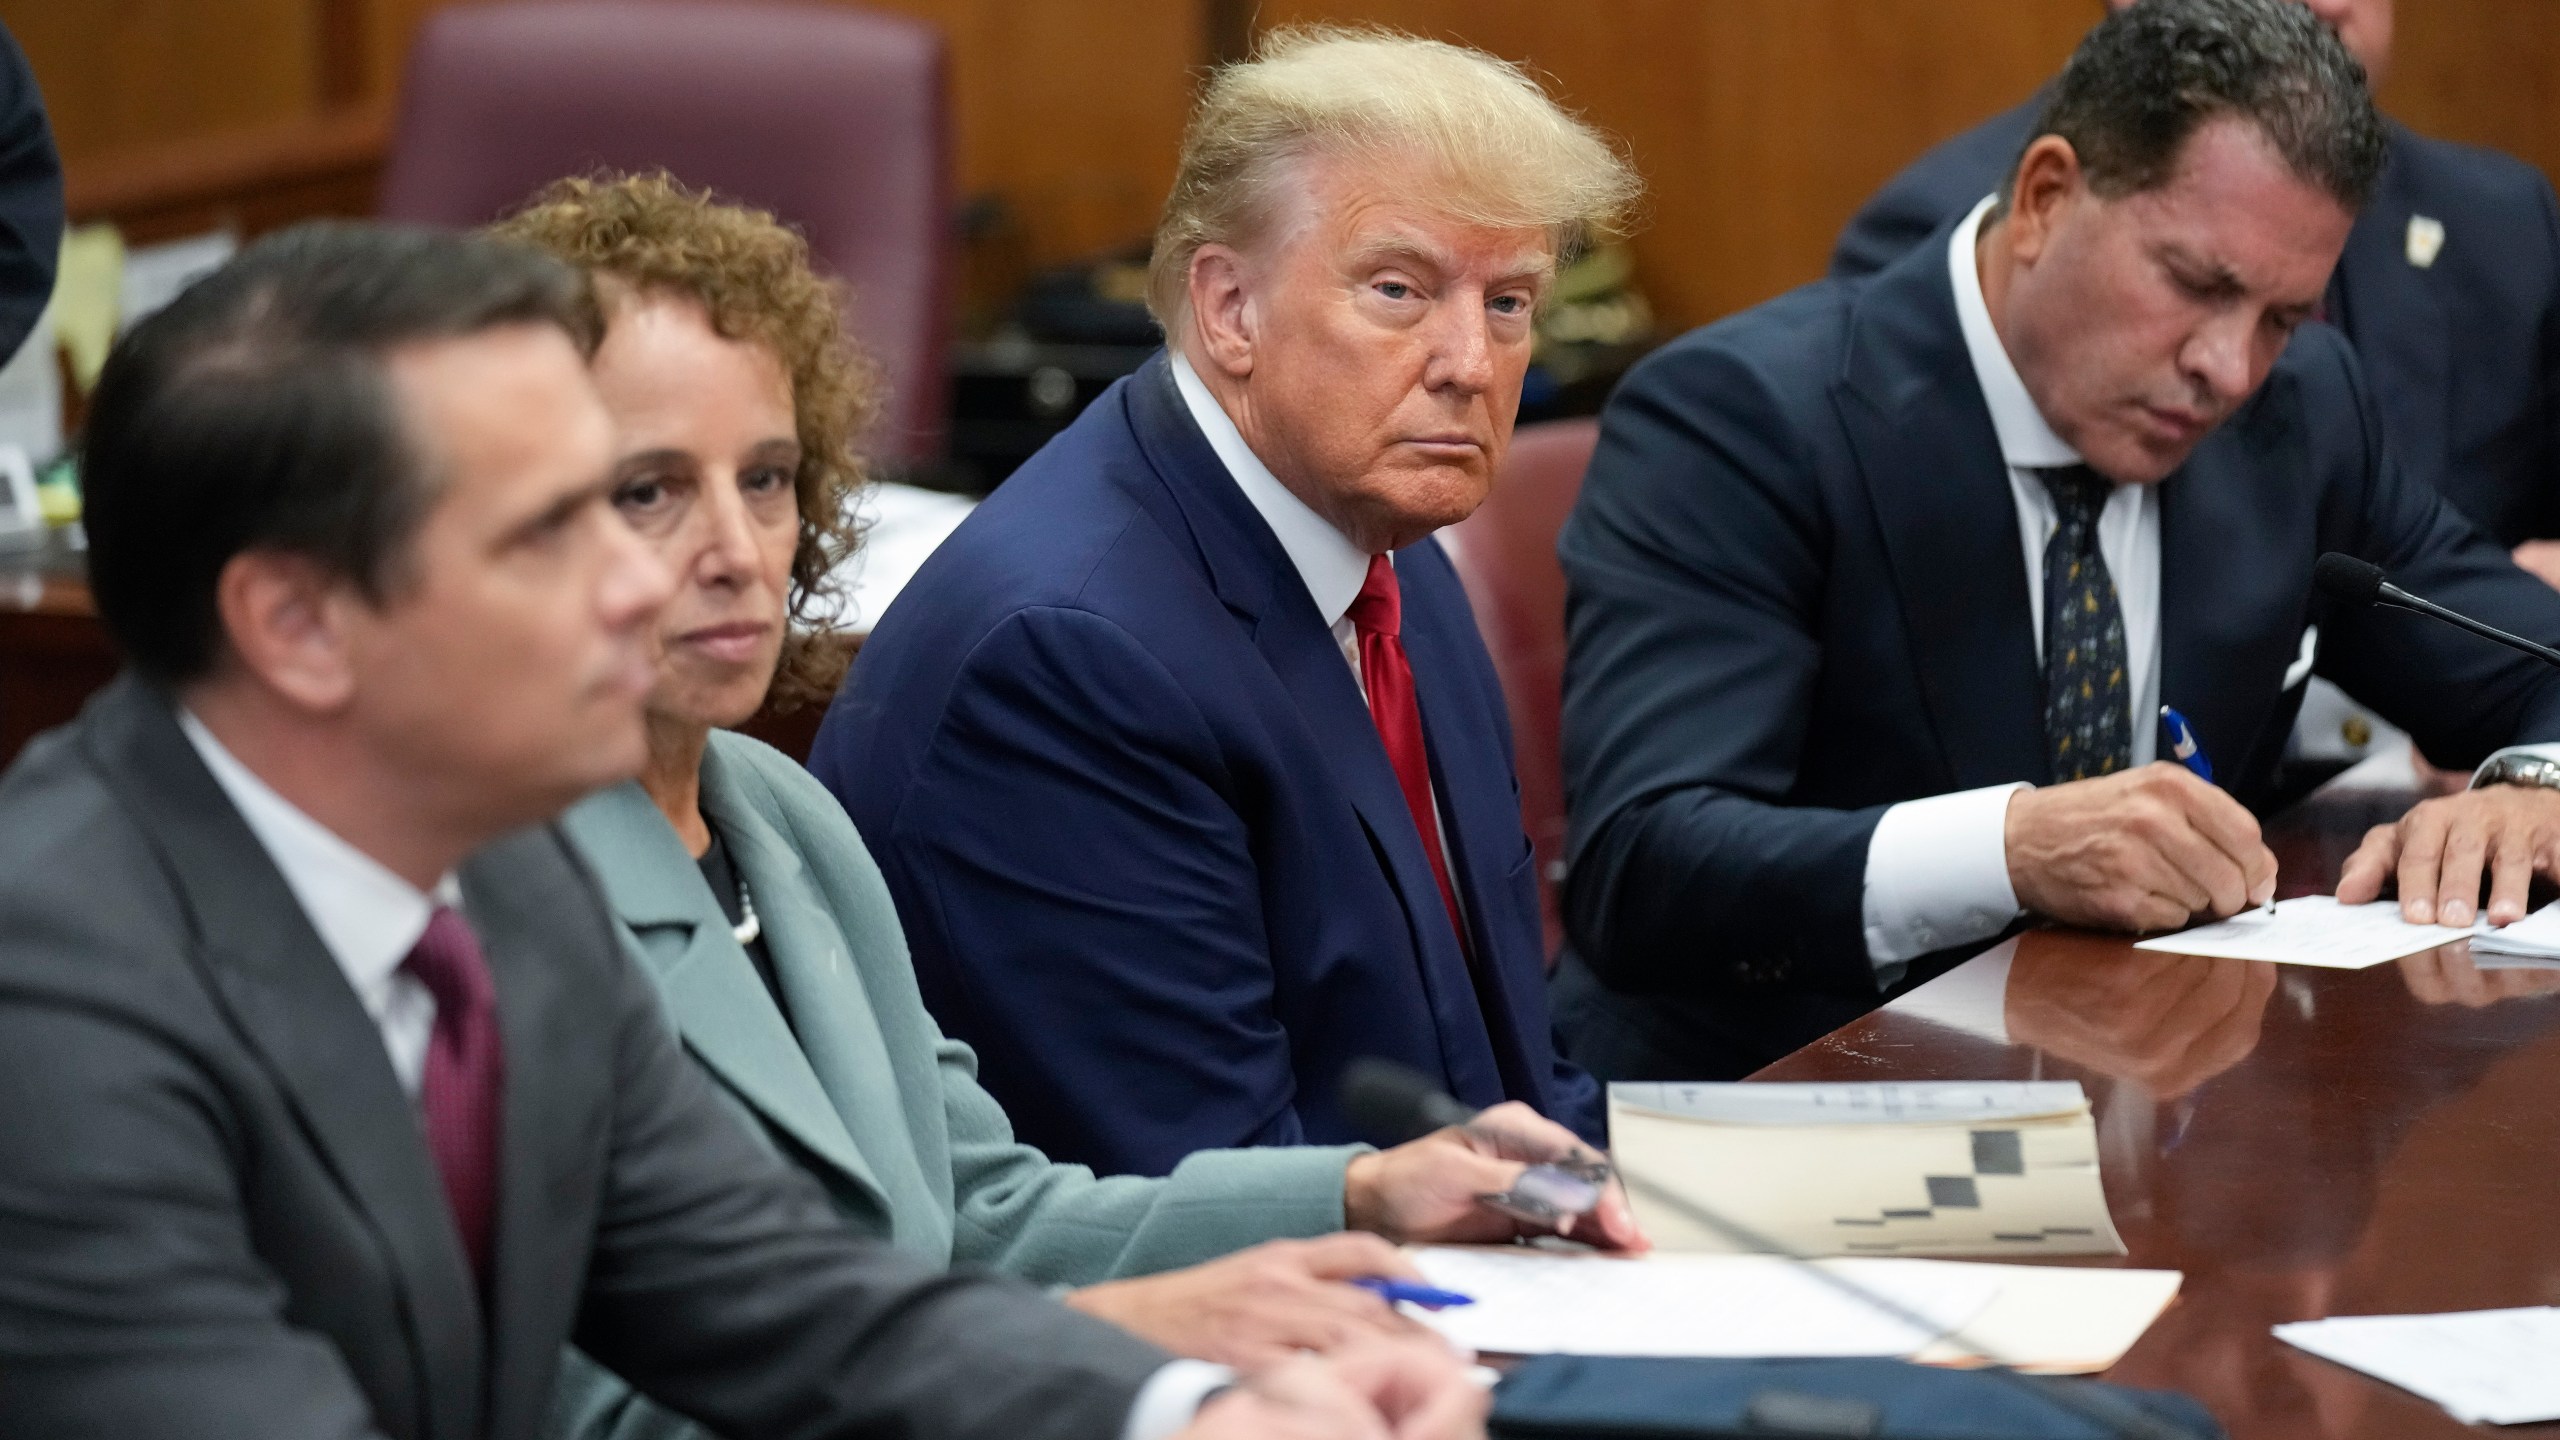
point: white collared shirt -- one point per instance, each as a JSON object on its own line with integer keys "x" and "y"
{"x": 369, "y": 918}
{"x": 1938, "y": 869}
{"x": 1332, "y": 568}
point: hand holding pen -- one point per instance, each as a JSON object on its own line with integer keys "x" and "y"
{"x": 2152, "y": 848}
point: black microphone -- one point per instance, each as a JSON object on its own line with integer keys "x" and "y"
{"x": 1389, "y": 1104}
{"x": 2352, "y": 581}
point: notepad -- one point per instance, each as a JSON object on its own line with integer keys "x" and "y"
{"x": 2501, "y": 1367}
{"x": 1540, "y": 1302}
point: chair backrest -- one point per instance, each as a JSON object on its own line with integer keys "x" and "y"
{"x": 1506, "y": 557}
{"x": 833, "y": 119}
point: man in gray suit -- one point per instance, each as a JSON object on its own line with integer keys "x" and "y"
{"x": 329, "y": 1105}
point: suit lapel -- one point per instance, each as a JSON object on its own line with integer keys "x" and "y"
{"x": 714, "y": 998}
{"x": 1922, "y": 435}
{"x": 1247, "y": 567}
{"x": 294, "y": 1006}
{"x": 1478, "y": 804}
{"x": 2228, "y": 626}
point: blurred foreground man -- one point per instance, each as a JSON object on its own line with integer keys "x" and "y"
{"x": 1182, "y": 756}
{"x": 2449, "y": 288}
{"x": 1878, "y": 590}
{"x": 329, "y": 1104}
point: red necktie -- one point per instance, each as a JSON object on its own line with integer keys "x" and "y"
{"x": 465, "y": 1073}
{"x": 1378, "y": 619}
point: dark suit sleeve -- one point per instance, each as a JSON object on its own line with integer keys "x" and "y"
{"x": 1083, "y": 897}
{"x": 30, "y": 200}
{"x": 1695, "y": 564}
{"x": 132, "y": 1302}
{"x": 725, "y": 1286}
{"x": 2459, "y": 697}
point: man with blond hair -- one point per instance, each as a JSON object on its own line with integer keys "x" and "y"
{"x": 1183, "y": 757}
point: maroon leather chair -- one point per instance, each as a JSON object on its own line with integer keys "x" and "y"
{"x": 833, "y": 119}
{"x": 1506, "y": 557}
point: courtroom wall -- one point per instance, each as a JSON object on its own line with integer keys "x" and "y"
{"x": 1758, "y": 123}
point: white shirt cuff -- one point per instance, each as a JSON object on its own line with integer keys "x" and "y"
{"x": 1938, "y": 875}
{"x": 1172, "y": 1396}
{"x": 2538, "y": 752}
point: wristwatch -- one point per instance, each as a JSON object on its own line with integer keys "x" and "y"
{"x": 2519, "y": 769}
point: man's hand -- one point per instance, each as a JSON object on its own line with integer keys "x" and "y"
{"x": 1376, "y": 1390}
{"x": 2540, "y": 559}
{"x": 1426, "y": 1189}
{"x": 1261, "y": 1305}
{"x": 2147, "y": 849}
{"x": 2441, "y": 848}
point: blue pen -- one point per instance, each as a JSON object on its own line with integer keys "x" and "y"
{"x": 2190, "y": 753}
{"x": 2183, "y": 744}
{"x": 1392, "y": 1291}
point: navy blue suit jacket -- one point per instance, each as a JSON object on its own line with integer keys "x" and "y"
{"x": 2463, "y": 354}
{"x": 30, "y": 199}
{"x": 1145, "y": 841}
{"x": 1796, "y": 597}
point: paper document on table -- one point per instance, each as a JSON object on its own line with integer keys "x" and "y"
{"x": 2050, "y": 1319}
{"x": 2497, "y": 1366}
{"x": 1979, "y": 1169}
{"x": 1531, "y": 1302}
{"x": 1854, "y": 1103}
{"x": 2055, "y": 1319}
{"x": 2532, "y": 943}
{"x": 2312, "y": 930}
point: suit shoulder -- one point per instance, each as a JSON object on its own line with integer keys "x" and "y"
{"x": 1780, "y": 353}
{"x": 2459, "y": 177}
{"x": 778, "y": 787}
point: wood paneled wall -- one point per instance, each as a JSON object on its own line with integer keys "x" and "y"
{"x": 1759, "y": 124}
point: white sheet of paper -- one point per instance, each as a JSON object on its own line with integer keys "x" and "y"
{"x": 2311, "y": 930}
{"x": 2497, "y": 1366}
{"x": 1530, "y": 1302}
{"x": 1874, "y": 1102}
{"x": 2536, "y": 937}
{"x": 2055, "y": 1319}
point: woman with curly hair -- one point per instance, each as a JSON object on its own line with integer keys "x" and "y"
{"x": 748, "y": 897}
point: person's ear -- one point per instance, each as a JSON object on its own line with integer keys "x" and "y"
{"x": 2049, "y": 182}
{"x": 1224, "y": 318}
{"x": 284, "y": 620}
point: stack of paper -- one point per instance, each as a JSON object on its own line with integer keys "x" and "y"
{"x": 1910, "y": 1168}
{"x": 2532, "y": 943}
{"x": 2497, "y": 1366}
{"x": 2046, "y": 1318}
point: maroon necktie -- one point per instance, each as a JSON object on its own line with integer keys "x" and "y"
{"x": 1378, "y": 618}
{"x": 465, "y": 1073}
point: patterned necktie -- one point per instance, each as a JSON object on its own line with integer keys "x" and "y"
{"x": 465, "y": 1074}
{"x": 2088, "y": 728}
{"x": 1377, "y": 617}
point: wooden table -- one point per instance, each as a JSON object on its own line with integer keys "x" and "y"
{"x": 2301, "y": 1142}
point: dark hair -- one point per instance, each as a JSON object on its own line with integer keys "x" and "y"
{"x": 254, "y": 412}
{"x": 2150, "y": 75}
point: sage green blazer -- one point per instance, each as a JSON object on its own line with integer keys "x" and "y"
{"x": 871, "y": 1098}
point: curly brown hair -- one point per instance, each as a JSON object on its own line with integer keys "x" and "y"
{"x": 649, "y": 234}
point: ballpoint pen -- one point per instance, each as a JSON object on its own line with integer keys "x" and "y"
{"x": 1425, "y": 1296}
{"x": 2190, "y": 752}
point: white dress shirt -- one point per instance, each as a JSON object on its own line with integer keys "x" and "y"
{"x": 1938, "y": 869}
{"x": 369, "y": 918}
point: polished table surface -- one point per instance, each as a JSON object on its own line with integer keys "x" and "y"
{"x": 2300, "y": 1142}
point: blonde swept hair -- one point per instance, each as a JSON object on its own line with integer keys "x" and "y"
{"x": 1477, "y": 133}
{"x": 644, "y": 235}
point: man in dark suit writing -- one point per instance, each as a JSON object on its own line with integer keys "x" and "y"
{"x": 1878, "y": 591}
{"x": 329, "y": 1106}
{"x": 2449, "y": 288}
